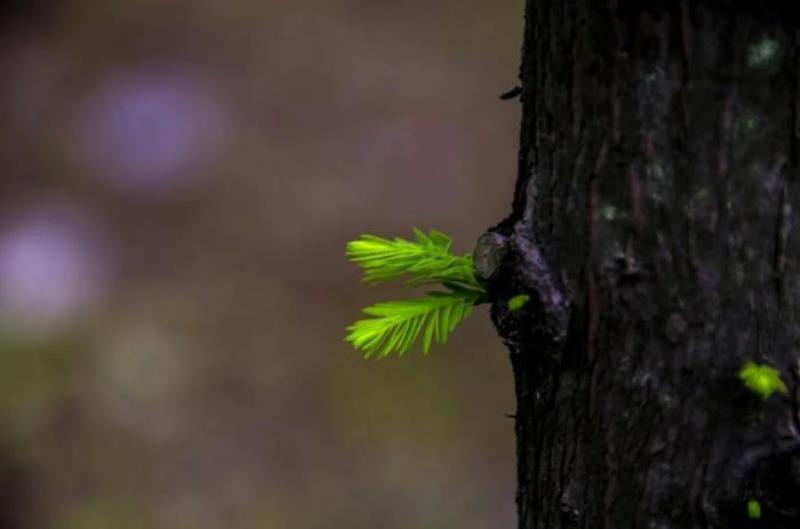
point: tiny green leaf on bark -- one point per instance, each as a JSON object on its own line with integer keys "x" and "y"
{"x": 753, "y": 510}
{"x": 762, "y": 379}
{"x": 518, "y": 301}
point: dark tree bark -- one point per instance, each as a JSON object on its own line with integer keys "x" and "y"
{"x": 654, "y": 226}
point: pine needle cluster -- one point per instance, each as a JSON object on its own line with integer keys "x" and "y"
{"x": 394, "y": 326}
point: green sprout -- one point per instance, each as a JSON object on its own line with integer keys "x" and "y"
{"x": 762, "y": 379}
{"x": 517, "y": 302}
{"x": 394, "y": 326}
{"x": 753, "y": 510}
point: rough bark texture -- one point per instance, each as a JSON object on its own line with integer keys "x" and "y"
{"x": 654, "y": 225}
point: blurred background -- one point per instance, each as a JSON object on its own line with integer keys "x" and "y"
{"x": 178, "y": 179}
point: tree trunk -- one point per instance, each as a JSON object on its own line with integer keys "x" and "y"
{"x": 654, "y": 226}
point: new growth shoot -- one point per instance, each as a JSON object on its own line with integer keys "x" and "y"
{"x": 394, "y": 326}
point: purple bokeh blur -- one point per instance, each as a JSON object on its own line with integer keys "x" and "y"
{"x": 151, "y": 132}
{"x": 52, "y": 265}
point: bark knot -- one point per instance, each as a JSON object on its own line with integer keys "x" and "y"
{"x": 516, "y": 265}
